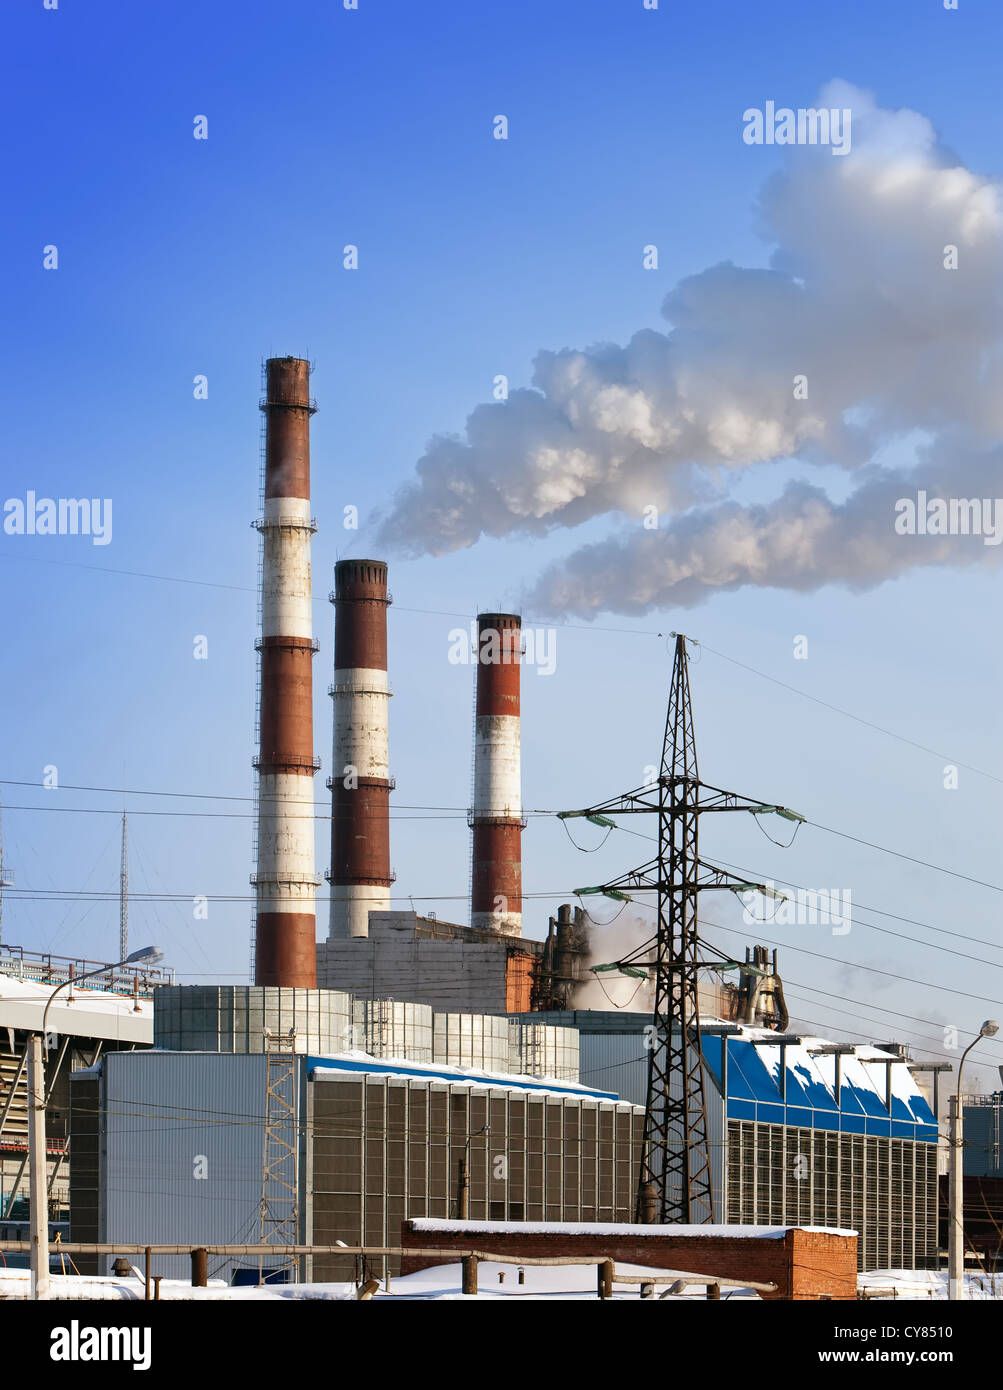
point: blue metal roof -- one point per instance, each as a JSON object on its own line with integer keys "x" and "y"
{"x": 786, "y": 1084}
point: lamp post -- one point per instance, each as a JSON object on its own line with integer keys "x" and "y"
{"x": 37, "y": 1175}
{"x": 463, "y": 1187}
{"x": 956, "y": 1204}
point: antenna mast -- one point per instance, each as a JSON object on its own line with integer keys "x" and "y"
{"x": 123, "y": 894}
{"x": 6, "y": 877}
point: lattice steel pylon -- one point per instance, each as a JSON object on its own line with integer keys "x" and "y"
{"x": 675, "y": 1176}
{"x": 279, "y": 1215}
{"x": 676, "y": 1158}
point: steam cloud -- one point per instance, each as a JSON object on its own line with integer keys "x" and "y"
{"x": 612, "y": 990}
{"x": 897, "y": 351}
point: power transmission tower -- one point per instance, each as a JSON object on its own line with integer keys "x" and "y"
{"x": 123, "y": 895}
{"x": 279, "y": 1219}
{"x": 674, "y": 1182}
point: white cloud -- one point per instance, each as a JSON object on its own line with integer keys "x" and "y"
{"x": 856, "y": 299}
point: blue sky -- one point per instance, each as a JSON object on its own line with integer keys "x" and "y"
{"x": 179, "y": 257}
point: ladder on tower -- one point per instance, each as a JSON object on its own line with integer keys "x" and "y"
{"x": 262, "y": 460}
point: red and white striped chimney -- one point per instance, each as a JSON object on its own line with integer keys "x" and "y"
{"x": 360, "y": 782}
{"x": 285, "y": 882}
{"x": 496, "y": 815}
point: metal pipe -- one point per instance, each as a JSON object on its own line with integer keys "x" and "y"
{"x": 200, "y": 1267}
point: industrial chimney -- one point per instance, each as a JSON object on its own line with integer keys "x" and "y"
{"x": 360, "y": 782}
{"x": 496, "y": 816}
{"x": 285, "y": 883}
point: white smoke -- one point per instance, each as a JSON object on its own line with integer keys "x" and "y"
{"x": 609, "y": 989}
{"x": 857, "y": 300}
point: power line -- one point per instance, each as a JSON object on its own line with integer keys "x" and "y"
{"x": 208, "y": 796}
{"x": 836, "y": 960}
{"x": 868, "y": 907}
{"x": 872, "y": 969}
{"x": 887, "y": 931}
{"x": 247, "y": 589}
{"x": 898, "y": 854}
{"x": 857, "y": 719}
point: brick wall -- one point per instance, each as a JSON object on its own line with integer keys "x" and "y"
{"x": 803, "y": 1264}
{"x": 519, "y": 982}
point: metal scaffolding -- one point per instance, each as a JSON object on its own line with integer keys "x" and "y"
{"x": 279, "y": 1213}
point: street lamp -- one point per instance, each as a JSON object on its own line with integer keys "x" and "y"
{"x": 956, "y": 1212}
{"x": 463, "y": 1187}
{"x": 37, "y": 1184}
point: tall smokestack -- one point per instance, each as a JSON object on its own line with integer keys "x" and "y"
{"x": 496, "y": 817}
{"x": 285, "y": 883}
{"x": 360, "y": 773}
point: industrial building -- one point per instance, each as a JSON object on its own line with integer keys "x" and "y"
{"x": 407, "y": 1067}
{"x": 113, "y": 1012}
{"x": 168, "y": 1145}
{"x": 802, "y": 1131}
{"x": 982, "y": 1180}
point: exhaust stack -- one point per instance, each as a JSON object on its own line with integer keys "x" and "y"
{"x": 360, "y": 780}
{"x": 285, "y": 882}
{"x": 496, "y": 815}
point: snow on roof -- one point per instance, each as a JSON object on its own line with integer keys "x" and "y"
{"x": 352, "y": 1063}
{"x": 92, "y": 1013}
{"x": 610, "y": 1228}
{"x": 84, "y": 997}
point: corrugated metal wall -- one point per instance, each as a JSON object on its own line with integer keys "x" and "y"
{"x": 390, "y": 1028}
{"x": 168, "y": 1118}
{"x": 983, "y": 1151}
{"x": 389, "y": 1147}
{"x": 885, "y": 1189}
{"x": 543, "y": 1049}
{"x": 471, "y": 1040}
{"x": 233, "y": 1018}
{"x": 615, "y": 1062}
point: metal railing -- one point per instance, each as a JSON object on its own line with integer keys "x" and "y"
{"x": 44, "y": 968}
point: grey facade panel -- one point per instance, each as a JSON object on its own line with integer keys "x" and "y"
{"x": 457, "y": 977}
{"x": 615, "y": 1062}
{"x": 982, "y": 1155}
{"x": 167, "y": 1118}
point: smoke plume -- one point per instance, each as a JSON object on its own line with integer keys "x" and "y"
{"x": 610, "y": 989}
{"x": 896, "y": 351}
